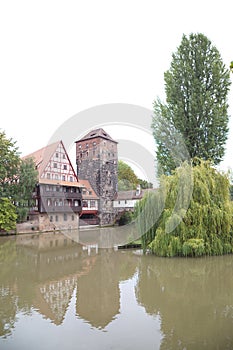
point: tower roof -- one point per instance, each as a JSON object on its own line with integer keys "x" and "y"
{"x": 97, "y": 133}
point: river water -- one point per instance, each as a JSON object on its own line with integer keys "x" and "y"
{"x": 56, "y": 293}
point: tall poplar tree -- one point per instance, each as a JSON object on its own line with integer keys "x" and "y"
{"x": 196, "y": 87}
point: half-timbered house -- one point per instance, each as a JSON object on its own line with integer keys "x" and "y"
{"x": 58, "y": 197}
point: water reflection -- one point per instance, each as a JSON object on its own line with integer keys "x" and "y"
{"x": 133, "y": 301}
{"x": 194, "y": 298}
{"x": 42, "y": 272}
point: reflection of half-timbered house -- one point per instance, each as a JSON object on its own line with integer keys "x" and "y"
{"x": 58, "y": 197}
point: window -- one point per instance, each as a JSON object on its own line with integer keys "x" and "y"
{"x": 56, "y": 218}
{"x": 65, "y": 167}
{"x": 55, "y": 165}
{"x": 48, "y": 175}
{"x": 71, "y": 178}
{"x": 80, "y": 146}
{"x": 60, "y": 203}
{"x": 85, "y": 204}
{"x": 64, "y": 156}
{"x": 84, "y": 191}
{"x": 72, "y": 217}
{"x": 47, "y": 188}
{"x": 87, "y": 145}
{"x": 65, "y": 217}
{"x": 63, "y": 178}
{"x": 92, "y": 204}
{"x": 51, "y": 218}
{"x": 56, "y": 155}
{"x": 49, "y": 202}
{"x": 94, "y": 143}
{"x": 125, "y": 201}
{"x": 56, "y": 176}
{"x": 90, "y": 192}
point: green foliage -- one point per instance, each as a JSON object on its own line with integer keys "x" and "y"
{"x": 126, "y": 218}
{"x": 231, "y": 66}
{"x": 231, "y": 192}
{"x": 17, "y": 179}
{"x": 145, "y": 184}
{"x": 27, "y": 179}
{"x": 204, "y": 229}
{"x": 9, "y": 164}
{"x": 7, "y": 215}
{"x": 127, "y": 180}
{"x": 196, "y": 87}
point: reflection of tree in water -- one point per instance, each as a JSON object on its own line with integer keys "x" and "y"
{"x": 8, "y": 298}
{"x": 8, "y": 310}
{"x": 193, "y": 298}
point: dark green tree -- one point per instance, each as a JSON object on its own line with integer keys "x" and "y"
{"x": 26, "y": 183}
{"x": 196, "y": 87}
{"x": 127, "y": 180}
{"x": 18, "y": 178}
{"x": 9, "y": 165}
{"x": 7, "y": 215}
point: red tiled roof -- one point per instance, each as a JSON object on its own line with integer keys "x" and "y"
{"x": 42, "y": 156}
{"x": 86, "y": 184}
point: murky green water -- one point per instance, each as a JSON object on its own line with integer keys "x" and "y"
{"x": 56, "y": 294}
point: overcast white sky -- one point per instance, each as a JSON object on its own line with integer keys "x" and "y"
{"x": 59, "y": 58}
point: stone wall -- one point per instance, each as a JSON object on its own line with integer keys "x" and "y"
{"x": 97, "y": 162}
{"x": 47, "y": 222}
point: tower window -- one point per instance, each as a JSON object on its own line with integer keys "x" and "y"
{"x": 65, "y": 167}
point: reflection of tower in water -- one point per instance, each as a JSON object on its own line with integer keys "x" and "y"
{"x": 57, "y": 269}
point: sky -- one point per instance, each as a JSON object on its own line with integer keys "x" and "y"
{"x": 59, "y": 58}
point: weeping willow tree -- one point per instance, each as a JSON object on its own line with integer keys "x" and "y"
{"x": 204, "y": 228}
